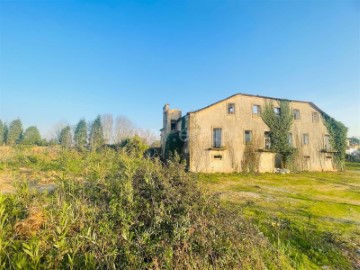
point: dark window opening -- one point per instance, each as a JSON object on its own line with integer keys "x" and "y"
{"x": 277, "y": 111}
{"x": 173, "y": 125}
{"x": 217, "y": 137}
{"x": 248, "y": 136}
{"x": 231, "y": 108}
{"x": 267, "y": 140}
{"x": 218, "y": 157}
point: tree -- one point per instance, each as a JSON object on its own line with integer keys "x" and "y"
{"x": 14, "y": 133}
{"x": 6, "y": 132}
{"x": 148, "y": 135}
{"x": 96, "y": 134}
{"x": 107, "y": 122}
{"x": 31, "y": 136}
{"x": 124, "y": 128}
{"x": 80, "y": 134}
{"x": 2, "y": 133}
{"x": 65, "y": 137}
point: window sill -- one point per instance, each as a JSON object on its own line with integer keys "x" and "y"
{"x": 328, "y": 151}
{"x": 266, "y": 150}
{"x": 217, "y": 149}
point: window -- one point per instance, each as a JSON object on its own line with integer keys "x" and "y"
{"x": 290, "y": 139}
{"x": 267, "y": 140}
{"x": 173, "y": 125}
{"x": 296, "y": 114}
{"x": 277, "y": 111}
{"x": 305, "y": 139}
{"x": 315, "y": 117}
{"x": 219, "y": 157}
{"x": 327, "y": 145}
{"x": 256, "y": 109}
{"x": 248, "y": 136}
{"x": 231, "y": 108}
{"x": 217, "y": 138}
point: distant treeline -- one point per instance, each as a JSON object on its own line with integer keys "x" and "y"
{"x": 84, "y": 135}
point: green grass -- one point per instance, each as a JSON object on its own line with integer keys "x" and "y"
{"x": 314, "y": 218}
{"x": 352, "y": 166}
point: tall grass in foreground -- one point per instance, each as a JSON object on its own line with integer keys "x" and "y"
{"x": 118, "y": 211}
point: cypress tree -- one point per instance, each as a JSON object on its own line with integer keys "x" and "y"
{"x": 14, "y": 133}
{"x": 65, "y": 138}
{"x": 80, "y": 134}
{"x": 96, "y": 134}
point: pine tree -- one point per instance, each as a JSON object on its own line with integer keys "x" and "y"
{"x": 31, "y": 136}
{"x": 2, "y": 133}
{"x": 96, "y": 134}
{"x": 65, "y": 137}
{"x": 80, "y": 134}
{"x": 14, "y": 133}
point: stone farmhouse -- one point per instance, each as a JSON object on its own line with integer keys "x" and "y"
{"x": 215, "y": 137}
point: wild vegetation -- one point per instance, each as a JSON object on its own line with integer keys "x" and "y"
{"x": 114, "y": 209}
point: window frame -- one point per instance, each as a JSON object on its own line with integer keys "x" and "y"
{"x": 267, "y": 140}
{"x": 277, "y": 111}
{"x": 251, "y": 136}
{"x": 315, "y": 117}
{"x": 294, "y": 114}
{"x": 290, "y": 139}
{"x": 305, "y": 142}
{"x": 327, "y": 144}
{"x": 229, "y": 105}
{"x": 258, "y": 110}
{"x": 214, "y": 139}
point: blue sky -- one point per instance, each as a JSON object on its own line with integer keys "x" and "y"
{"x": 64, "y": 60}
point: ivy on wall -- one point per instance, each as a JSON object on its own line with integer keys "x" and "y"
{"x": 175, "y": 142}
{"x": 279, "y": 125}
{"x": 173, "y": 145}
{"x": 338, "y": 137}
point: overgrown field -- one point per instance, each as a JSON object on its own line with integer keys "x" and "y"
{"x": 312, "y": 218}
{"x": 117, "y": 210}
{"x": 64, "y": 209}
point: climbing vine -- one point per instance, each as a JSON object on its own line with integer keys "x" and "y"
{"x": 279, "y": 125}
{"x": 338, "y": 136}
{"x": 175, "y": 142}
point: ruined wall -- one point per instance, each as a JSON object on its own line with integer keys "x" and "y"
{"x": 169, "y": 116}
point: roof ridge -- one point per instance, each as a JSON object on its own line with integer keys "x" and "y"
{"x": 259, "y": 96}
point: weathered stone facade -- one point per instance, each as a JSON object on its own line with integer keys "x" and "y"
{"x": 219, "y": 134}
